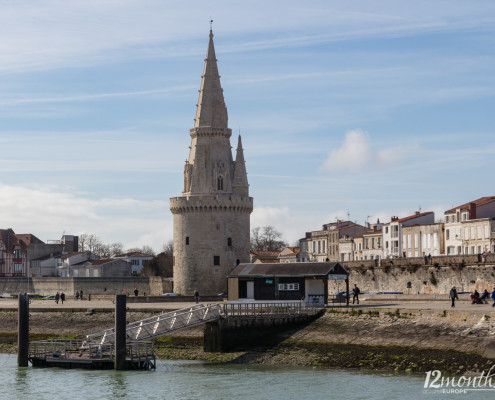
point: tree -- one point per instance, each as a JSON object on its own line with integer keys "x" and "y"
{"x": 267, "y": 238}
{"x": 162, "y": 264}
{"x": 93, "y": 244}
{"x": 145, "y": 249}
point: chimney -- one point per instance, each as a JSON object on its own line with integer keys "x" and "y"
{"x": 472, "y": 210}
{"x": 416, "y": 213}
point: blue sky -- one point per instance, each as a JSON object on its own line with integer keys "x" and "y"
{"x": 361, "y": 108}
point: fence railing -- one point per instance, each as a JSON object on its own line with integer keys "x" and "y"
{"x": 161, "y": 324}
{"x": 70, "y": 348}
{"x": 260, "y": 310}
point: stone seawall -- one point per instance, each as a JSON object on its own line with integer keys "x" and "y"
{"x": 410, "y": 277}
{"x": 97, "y": 286}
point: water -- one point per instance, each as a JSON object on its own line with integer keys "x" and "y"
{"x": 195, "y": 380}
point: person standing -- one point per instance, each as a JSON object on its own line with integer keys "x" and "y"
{"x": 493, "y": 297}
{"x": 81, "y": 294}
{"x": 62, "y": 297}
{"x": 136, "y": 292}
{"x": 453, "y": 295}
{"x": 355, "y": 294}
{"x": 196, "y": 296}
{"x": 57, "y": 296}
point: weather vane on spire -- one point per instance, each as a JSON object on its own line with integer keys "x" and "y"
{"x": 211, "y": 23}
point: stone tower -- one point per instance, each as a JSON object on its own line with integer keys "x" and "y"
{"x": 211, "y": 218}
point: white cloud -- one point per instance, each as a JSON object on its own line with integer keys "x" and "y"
{"x": 48, "y": 212}
{"x": 354, "y": 154}
{"x": 357, "y": 153}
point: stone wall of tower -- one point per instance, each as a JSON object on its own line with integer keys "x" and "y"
{"x": 205, "y": 227}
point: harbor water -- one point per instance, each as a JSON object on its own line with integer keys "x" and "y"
{"x": 195, "y": 380}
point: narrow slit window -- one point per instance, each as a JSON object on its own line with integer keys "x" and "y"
{"x": 216, "y": 260}
{"x": 187, "y": 240}
{"x": 229, "y": 242}
{"x": 220, "y": 183}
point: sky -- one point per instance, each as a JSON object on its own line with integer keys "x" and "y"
{"x": 355, "y": 110}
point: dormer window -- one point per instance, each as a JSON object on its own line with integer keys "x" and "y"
{"x": 220, "y": 183}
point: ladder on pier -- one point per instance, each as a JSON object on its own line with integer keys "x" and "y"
{"x": 159, "y": 325}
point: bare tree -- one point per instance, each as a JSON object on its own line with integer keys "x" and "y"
{"x": 116, "y": 249}
{"x": 267, "y": 238}
{"x": 145, "y": 249}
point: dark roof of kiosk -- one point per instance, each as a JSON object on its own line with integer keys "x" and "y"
{"x": 288, "y": 269}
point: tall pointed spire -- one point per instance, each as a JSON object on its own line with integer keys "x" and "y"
{"x": 211, "y": 110}
{"x": 240, "y": 185}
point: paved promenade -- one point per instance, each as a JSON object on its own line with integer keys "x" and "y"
{"x": 365, "y": 305}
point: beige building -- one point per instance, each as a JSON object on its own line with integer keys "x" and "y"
{"x": 211, "y": 218}
{"x": 372, "y": 245}
{"x": 423, "y": 240}
{"x": 324, "y": 245}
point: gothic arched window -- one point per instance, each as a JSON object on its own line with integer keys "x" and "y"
{"x": 220, "y": 183}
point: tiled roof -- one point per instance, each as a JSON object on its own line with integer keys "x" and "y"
{"x": 479, "y": 202}
{"x": 28, "y": 238}
{"x": 133, "y": 254}
{"x": 410, "y": 217}
{"x": 10, "y": 240}
{"x": 65, "y": 256}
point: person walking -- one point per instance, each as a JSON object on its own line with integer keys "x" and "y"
{"x": 196, "y": 296}
{"x": 57, "y": 296}
{"x": 355, "y": 294}
{"x": 453, "y": 295}
{"x": 493, "y": 297}
{"x": 62, "y": 297}
{"x": 81, "y": 294}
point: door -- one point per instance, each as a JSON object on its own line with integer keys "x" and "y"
{"x": 250, "y": 290}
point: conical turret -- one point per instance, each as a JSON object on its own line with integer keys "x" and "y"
{"x": 240, "y": 185}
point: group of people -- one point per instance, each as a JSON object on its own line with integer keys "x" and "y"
{"x": 79, "y": 295}
{"x": 475, "y": 297}
{"x": 60, "y": 297}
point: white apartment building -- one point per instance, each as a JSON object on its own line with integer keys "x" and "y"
{"x": 470, "y": 227}
{"x": 393, "y": 236}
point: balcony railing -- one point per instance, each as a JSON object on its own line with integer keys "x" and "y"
{"x": 12, "y": 275}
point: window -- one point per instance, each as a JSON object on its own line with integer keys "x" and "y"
{"x": 134, "y": 262}
{"x": 229, "y": 242}
{"x": 216, "y": 260}
{"x": 220, "y": 183}
{"x": 447, "y": 219}
{"x": 386, "y": 229}
{"x": 17, "y": 254}
{"x": 288, "y": 286}
{"x": 187, "y": 240}
{"x": 447, "y": 234}
{"x": 17, "y": 268}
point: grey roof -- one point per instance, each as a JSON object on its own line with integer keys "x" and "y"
{"x": 288, "y": 269}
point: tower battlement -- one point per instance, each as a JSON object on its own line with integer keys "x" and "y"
{"x": 216, "y": 203}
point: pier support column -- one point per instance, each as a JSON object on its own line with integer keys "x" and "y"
{"x": 120, "y": 334}
{"x": 23, "y": 331}
{"x": 212, "y": 339}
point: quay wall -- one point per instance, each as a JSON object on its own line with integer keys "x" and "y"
{"x": 95, "y": 286}
{"x": 435, "y": 275}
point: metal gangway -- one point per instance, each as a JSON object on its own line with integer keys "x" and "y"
{"x": 158, "y": 325}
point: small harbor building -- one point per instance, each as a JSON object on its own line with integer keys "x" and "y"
{"x": 306, "y": 282}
